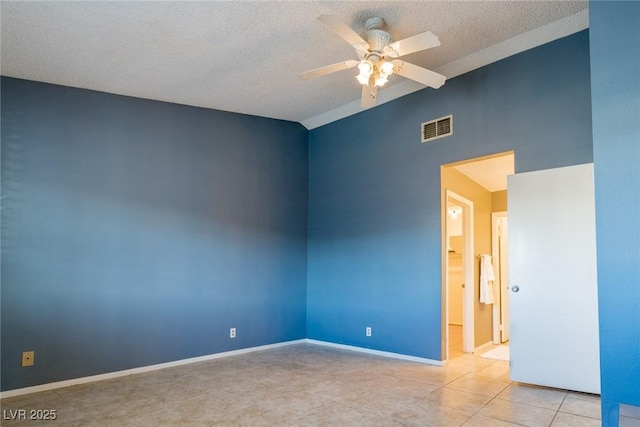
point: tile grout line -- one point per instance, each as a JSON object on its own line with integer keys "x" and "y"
{"x": 489, "y": 401}
{"x": 558, "y": 410}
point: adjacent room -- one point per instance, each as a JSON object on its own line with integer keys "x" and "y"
{"x": 320, "y": 213}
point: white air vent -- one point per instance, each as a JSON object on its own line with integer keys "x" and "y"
{"x": 437, "y": 128}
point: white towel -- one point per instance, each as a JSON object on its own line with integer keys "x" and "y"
{"x": 486, "y": 279}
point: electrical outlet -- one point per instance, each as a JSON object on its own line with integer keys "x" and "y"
{"x": 27, "y": 358}
{"x": 232, "y": 333}
{"x": 367, "y": 331}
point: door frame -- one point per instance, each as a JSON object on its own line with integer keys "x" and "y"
{"x": 495, "y": 255}
{"x": 468, "y": 257}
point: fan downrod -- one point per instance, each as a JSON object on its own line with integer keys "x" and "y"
{"x": 374, "y": 23}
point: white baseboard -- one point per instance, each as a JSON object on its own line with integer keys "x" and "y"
{"x": 378, "y": 352}
{"x": 149, "y": 368}
{"x": 116, "y": 374}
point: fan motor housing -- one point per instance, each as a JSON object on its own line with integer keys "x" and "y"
{"x": 377, "y": 39}
{"x": 375, "y": 35}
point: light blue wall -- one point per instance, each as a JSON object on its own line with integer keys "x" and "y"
{"x": 137, "y": 232}
{"x": 374, "y": 189}
{"x": 615, "y": 87}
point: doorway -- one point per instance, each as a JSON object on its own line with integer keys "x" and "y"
{"x": 459, "y": 271}
{"x": 455, "y": 286}
{"x": 477, "y": 188}
{"x": 500, "y": 256}
{"x": 458, "y": 226}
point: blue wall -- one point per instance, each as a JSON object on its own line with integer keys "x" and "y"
{"x": 137, "y": 232}
{"x": 374, "y": 189}
{"x": 615, "y": 68}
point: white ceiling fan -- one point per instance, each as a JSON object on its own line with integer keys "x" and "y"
{"x": 375, "y": 48}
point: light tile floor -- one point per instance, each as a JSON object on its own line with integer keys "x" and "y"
{"x": 310, "y": 385}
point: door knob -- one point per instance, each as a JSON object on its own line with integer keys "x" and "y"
{"x": 515, "y": 288}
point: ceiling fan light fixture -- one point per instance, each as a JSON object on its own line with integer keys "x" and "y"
{"x": 383, "y": 70}
{"x": 363, "y": 80}
{"x": 374, "y": 48}
{"x": 366, "y": 70}
{"x": 366, "y": 67}
{"x": 381, "y": 79}
{"x": 387, "y": 68}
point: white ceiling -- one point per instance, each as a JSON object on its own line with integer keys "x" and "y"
{"x": 245, "y": 56}
{"x": 491, "y": 172}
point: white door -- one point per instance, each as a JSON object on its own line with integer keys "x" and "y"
{"x": 552, "y": 274}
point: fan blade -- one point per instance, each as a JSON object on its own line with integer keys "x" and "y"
{"x": 328, "y": 69}
{"x": 369, "y": 95}
{"x": 344, "y": 31}
{"x": 421, "y": 41}
{"x": 419, "y": 74}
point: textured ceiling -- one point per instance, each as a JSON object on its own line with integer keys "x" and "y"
{"x": 245, "y": 56}
{"x": 491, "y": 173}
